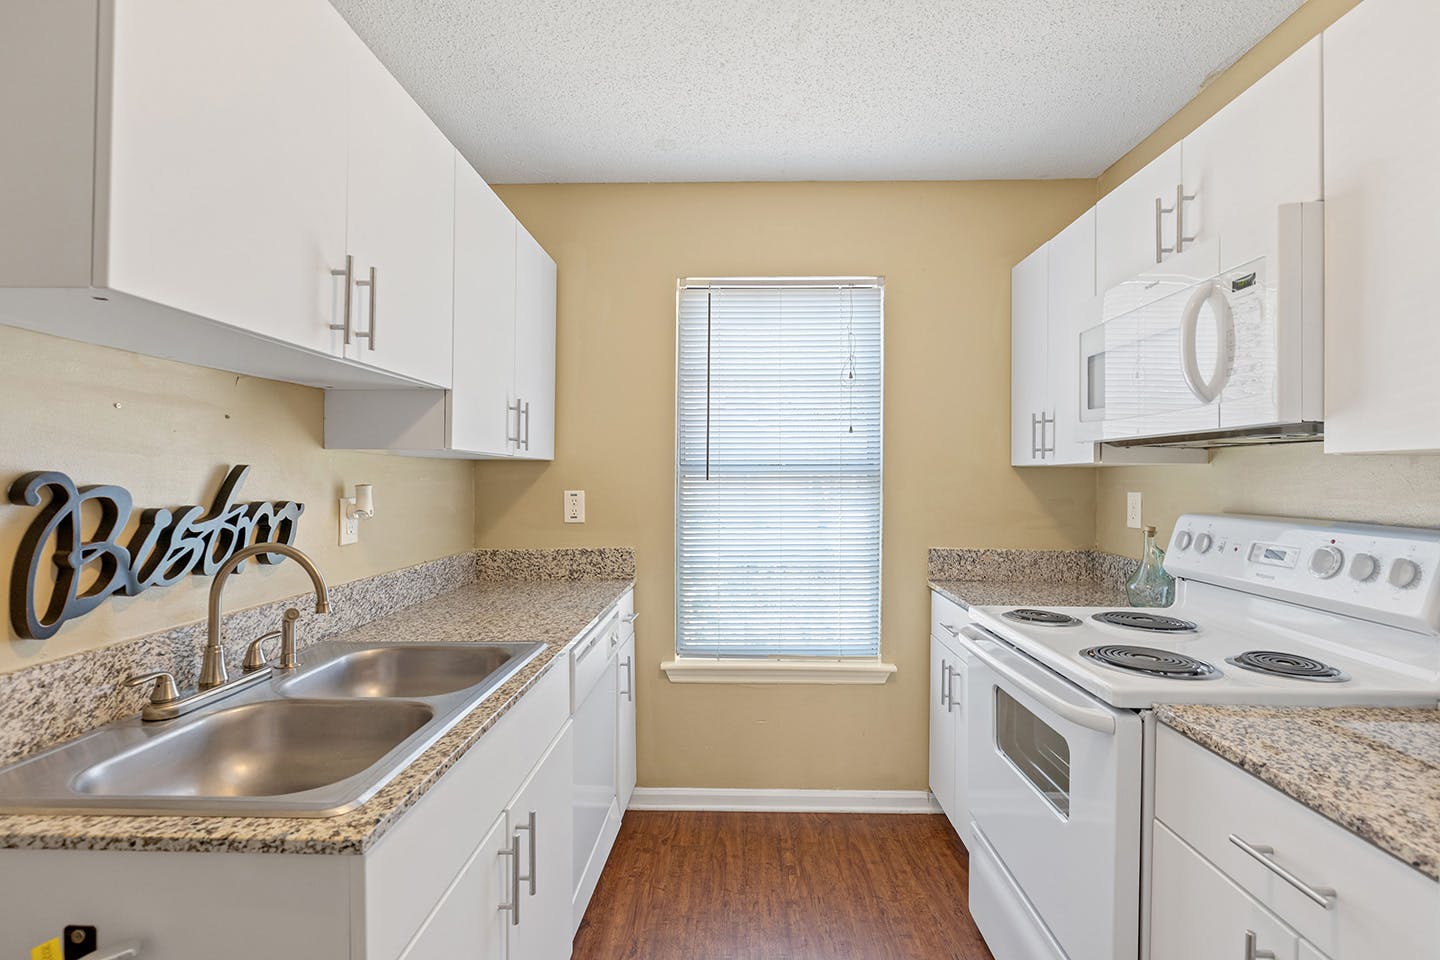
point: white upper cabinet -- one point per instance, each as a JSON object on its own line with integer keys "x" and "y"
{"x": 1262, "y": 150}
{"x": 1382, "y": 135}
{"x": 534, "y": 349}
{"x": 1029, "y": 355}
{"x": 227, "y": 157}
{"x": 481, "y": 398}
{"x": 1135, "y": 222}
{"x": 1072, "y": 310}
{"x": 401, "y": 227}
{"x": 185, "y": 183}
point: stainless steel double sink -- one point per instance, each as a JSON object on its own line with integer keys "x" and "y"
{"x": 315, "y": 742}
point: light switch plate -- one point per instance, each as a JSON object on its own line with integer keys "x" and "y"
{"x": 349, "y": 526}
{"x": 574, "y": 506}
{"x": 1132, "y": 510}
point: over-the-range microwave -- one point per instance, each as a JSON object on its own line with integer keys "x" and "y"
{"x": 1200, "y": 353}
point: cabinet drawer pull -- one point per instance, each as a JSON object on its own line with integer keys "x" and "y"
{"x": 368, "y": 335}
{"x": 349, "y": 274}
{"x": 514, "y": 905}
{"x": 1252, "y": 948}
{"x": 631, "y": 618}
{"x": 1323, "y": 896}
{"x": 528, "y": 827}
{"x": 951, "y": 629}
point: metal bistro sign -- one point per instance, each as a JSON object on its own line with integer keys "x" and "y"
{"x": 85, "y": 567}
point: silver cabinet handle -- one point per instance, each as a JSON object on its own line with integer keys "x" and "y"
{"x": 951, "y": 629}
{"x": 528, "y": 827}
{"x": 514, "y": 905}
{"x": 1181, "y": 198}
{"x": 1160, "y": 248}
{"x": 944, "y": 681}
{"x": 629, "y": 692}
{"x": 368, "y": 335}
{"x": 1034, "y": 445}
{"x": 1252, "y": 949}
{"x": 588, "y": 647}
{"x": 631, "y": 618}
{"x": 515, "y": 409}
{"x": 526, "y": 441}
{"x": 950, "y": 690}
{"x": 976, "y": 639}
{"x": 349, "y": 274}
{"x": 1322, "y": 896}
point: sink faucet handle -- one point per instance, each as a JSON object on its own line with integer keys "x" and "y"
{"x": 255, "y": 658}
{"x": 164, "y": 691}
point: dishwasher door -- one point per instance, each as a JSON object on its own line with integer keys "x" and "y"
{"x": 597, "y": 812}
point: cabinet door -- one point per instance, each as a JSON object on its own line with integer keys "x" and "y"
{"x": 1073, "y": 309}
{"x": 473, "y": 918}
{"x": 942, "y": 728}
{"x": 540, "y": 818}
{"x": 1196, "y": 913}
{"x": 1260, "y": 151}
{"x": 625, "y": 748}
{"x": 1130, "y": 237}
{"x": 227, "y": 162}
{"x": 481, "y": 416}
{"x": 535, "y": 347}
{"x": 401, "y": 225}
{"x": 1382, "y": 134}
{"x": 1029, "y": 297}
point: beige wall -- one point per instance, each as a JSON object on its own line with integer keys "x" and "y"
{"x": 1290, "y": 481}
{"x": 168, "y": 432}
{"x": 945, "y": 251}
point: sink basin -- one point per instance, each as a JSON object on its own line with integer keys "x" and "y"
{"x": 402, "y": 670}
{"x": 262, "y": 749}
{"x": 316, "y": 743}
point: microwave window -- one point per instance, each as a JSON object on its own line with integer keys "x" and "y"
{"x": 1035, "y": 749}
{"x": 1095, "y": 382}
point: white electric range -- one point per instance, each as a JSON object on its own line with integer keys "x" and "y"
{"x": 1061, "y": 735}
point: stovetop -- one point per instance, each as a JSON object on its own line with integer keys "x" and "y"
{"x": 1371, "y": 664}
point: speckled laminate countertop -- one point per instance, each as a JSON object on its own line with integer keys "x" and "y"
{"x": 1030, "y": 593}
{"x": 1374, "y": 771}
{"x": 554, "y": 612}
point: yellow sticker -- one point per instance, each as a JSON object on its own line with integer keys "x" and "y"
{"x": 49, "y": 950}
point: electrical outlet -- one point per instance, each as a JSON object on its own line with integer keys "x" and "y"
{"x": 349, "y": 526}
{"x": 574, "y": 506}
{"x": 1132, "y": 510}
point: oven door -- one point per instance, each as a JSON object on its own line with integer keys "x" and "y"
{"x": 1055, "y": 789}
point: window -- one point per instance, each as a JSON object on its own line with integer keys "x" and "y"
{"x": 778, "y": 470}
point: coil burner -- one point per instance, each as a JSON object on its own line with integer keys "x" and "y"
{"x": 1291, "y": 666}
{"x": 1043, "y": 618}
{"x": 1151, "y": 662}
{"x": 1140, "y": 620}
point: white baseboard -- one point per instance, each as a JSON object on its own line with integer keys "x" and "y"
{"x": 784, "y": 801}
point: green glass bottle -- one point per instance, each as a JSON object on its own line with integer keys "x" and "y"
{"x": 1151, "y": 586}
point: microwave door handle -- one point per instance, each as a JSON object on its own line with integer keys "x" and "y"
{"x": 1207, "y": 390}
{"x": 1098, "y": 720}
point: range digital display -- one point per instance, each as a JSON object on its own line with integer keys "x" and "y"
{"x": 1274, "y": 554}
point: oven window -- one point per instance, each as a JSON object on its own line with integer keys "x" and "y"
{"x": 1040, "y": 754}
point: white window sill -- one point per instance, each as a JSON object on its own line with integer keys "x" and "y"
{"x": 695, "y": 670}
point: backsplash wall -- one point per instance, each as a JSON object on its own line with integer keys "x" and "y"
{"x": 168, "y": 432}
{"x": 1295, "y": 480}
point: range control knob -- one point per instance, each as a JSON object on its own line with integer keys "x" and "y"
{"x": 1204, "y": 542}
{"x": 1404, "y": 573}
{"x": 1325, "y": 562}
{"x": 1182, "y": 540}
{"x": 1363, "y": 566}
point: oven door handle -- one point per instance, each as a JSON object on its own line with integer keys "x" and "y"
{"x": 1098, "y": 720}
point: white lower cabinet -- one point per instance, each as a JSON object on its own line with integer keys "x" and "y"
{"x": 1337, "y": 895}
{"x": 471, "y": 920}
{"x": 947, "y": 714}
{"x": 625, "y": 743}
{"x": 540, "y": 828}
{"x": 1197, "y": 913}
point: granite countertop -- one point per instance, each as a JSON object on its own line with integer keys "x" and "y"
{"x": 1031, "y": 593}
{"x": 1373, "y": 770}
{"x": 554, "y": 612}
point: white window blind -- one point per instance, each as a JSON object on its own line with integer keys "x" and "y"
{"x": 778, "y": 469}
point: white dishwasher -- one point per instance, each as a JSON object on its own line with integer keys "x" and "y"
{"x": 594, "y": 686}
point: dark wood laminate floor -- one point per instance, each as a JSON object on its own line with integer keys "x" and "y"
{"x": 782, "y": 886}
